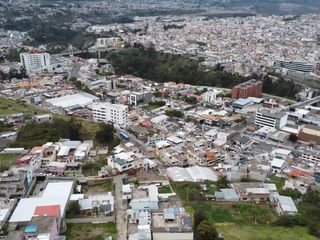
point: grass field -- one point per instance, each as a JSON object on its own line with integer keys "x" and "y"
{"x": 8, "y": 106}
{"x": 90, "y": 231}
{"x": 103, "y": 187}
{"x": 7, "y": 160}
{"x": 262, "y": 232}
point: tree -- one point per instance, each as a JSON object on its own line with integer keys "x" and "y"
{"x": 293, "y": 138}
{"x": 73, "y": 208}
{"x": 174, "y": 113}
{"x": 205, "y": 231}
{"x": 106, "y": 133}
{"x": 198, "y": 217}
{"x": 157, "y": 93}
{"x": 222, "y": 182}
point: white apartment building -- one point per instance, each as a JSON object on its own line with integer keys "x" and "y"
{"x": 267, "y": 118}
{"x": 35, "y": 61}
{"x": 108, "y": 112}
{"x": 210, "y": 96}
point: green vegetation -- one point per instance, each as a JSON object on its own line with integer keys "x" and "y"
{"x": 164, "y": 67}
{"x": 309, "y": 214}
{"x": 258, "y": 220}
{"x": 7, "y": 160}
{"x": 88, "y": 231}
{"x": 73, "y": 209}
{"x": 165, "y": 189}
{"x": 100, "y": 187}
{"x": 280, "y": 87}
{"x": 174, "y": 113}
{"x": 92, "y": 168}
{"x": 263, "y": 232}
{"x": 81, "y": 86}
{"x": 154, "y": 105}
{"x": 35, "y": 134}
{"x": 8, "y": 106}
{"x": 278, "y": 181}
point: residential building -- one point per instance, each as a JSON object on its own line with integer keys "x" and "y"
{"x": 210, "y": 96}
{"x": 137, "y": 98}
{"x": 252, "y": 88}
{"x": 108, "y": 112}
{"x": 286, "y": 206}
{"x": 311, "y": 157}
{"x": 35, "y": 61}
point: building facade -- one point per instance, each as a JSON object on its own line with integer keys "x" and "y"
{"x": 267, "y": 118}
{"x": 108, "y": 112}
{"x": 35, "y": 61}
{"x": 252, "y": 88}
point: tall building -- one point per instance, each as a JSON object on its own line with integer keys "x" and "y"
{"x": 108, "y": 112}
{"x": 252, "y": 88}
{"x": 35, "y": 61}
{"x": 268, "y": 118}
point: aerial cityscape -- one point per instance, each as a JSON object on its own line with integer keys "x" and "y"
{"x": 159, "y": 120}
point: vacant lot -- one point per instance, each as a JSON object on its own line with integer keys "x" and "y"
{"x": 260, "y": 232}
{"x": 90, "y": 231}
{"x": 8, "y": 106}
{"x": 97, "y": 188}
{"x": 7, "y": 160}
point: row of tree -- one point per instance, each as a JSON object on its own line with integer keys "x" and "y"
{"x": 164, "y": 67}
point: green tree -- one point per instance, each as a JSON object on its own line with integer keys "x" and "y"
{"x": 106, "y": 133}
{"x": 205, "y": 231}
{"x": 222, "y": 182}
{"x": 73, "y": 208}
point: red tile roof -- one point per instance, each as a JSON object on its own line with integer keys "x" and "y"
{"x": 50, "y": 210}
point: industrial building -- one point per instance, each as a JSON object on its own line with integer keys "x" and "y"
{"x": 269, "y": 118}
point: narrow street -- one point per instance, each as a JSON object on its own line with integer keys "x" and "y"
{"x": 120, "y": 209}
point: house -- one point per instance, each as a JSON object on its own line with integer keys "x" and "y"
{"x": 41, "y": 227}
{"x": 251, "y": 191}
{"x": 172, "y": 224}
{"x": 103, "y": 203}
{"x": 241, "y": 141}
{"x": 277, "y": 165}
{"x": 227, "y": 195}
{"x": 145, "y": 198}
{"x": 42, "y": 118}
{"x": 286, "y": 206}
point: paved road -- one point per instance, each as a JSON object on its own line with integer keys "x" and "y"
{"x": 92, "y": 220}
{"x": 143, "y": 147}
{"x": 120, "y": 209}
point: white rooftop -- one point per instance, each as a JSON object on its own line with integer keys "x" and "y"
{"x": 277, "y": 163}
{"x": 191, "y": 174}
{"x": 56, "y": 193}
{"x": 74, "y": 100}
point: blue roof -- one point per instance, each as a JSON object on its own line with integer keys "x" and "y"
{"x": 242, "y": 101}
{"x": 32, "y": 228}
